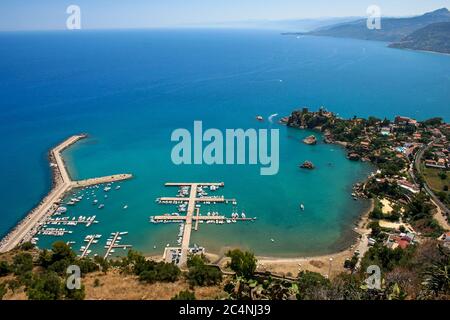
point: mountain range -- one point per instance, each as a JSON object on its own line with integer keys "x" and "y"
{"x": 429, "y": 31}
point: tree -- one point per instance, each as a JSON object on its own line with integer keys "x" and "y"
{"x": 419, "y": 207}
{"x": 311, "y": 285}
{"x": 59, "y": 258}
{"x": 377, "y": 213}
{"x": 149, "y": 270}
{"x": 22, "y": 263}
{"x": 201, "y": 274}
{"x": 61, "y": 251}
{"x": 184, "y": 295}
{"x": 2, "y": 290}
{"x": 5, "y": 268}
{"x": 103, "y": 263}
{"x": 46, "y": 286}
{"x": 351, "y": 263}
{"x": 74, "y": 294}
{"x": 437, "y": 276}
{"x": 433, "y": 122}
{"x": 376, "y": 229}
{"x": 87, "y": 265}
{"x": 243, "y": 263}
{"x": 27, "y": 246}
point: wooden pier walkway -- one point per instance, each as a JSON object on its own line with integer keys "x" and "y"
{"x": 90, "y": 239}
{"x": 113, "y": 245}
{"x": 192, "y": 208}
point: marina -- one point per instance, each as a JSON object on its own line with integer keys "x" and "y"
{"x": 189, "y": 197}
{"x": 88, "y": 221}
{"x": 57, "y": 232}
{"x": 113, "y": 243}
{"x": 50, "y": 205}
{"x": 90, "y": 240}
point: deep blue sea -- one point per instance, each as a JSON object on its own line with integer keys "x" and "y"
{"x": 130, "y": 89}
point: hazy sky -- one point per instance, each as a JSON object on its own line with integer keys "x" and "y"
{"x": 95, "y": 14}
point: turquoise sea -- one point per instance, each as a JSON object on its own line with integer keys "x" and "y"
{"x": 130, "y": 89}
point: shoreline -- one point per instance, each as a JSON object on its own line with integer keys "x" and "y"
{"x": 23, "y": 229}
{"x": 62, "y": 183}
{"x": 321, "y": 263}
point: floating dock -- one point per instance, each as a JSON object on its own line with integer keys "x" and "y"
{"x": 191, "y": 200}
{"x": 112, "y": 243}
{"x": 90, "y": 239}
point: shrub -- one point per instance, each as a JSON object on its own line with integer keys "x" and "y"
{"x": 22, "y": 263}
{"x": 5, "y": 268}
{"x": 310, "y": 284}
{"x": 201, "y": 274}
{"x": 2, "y": 290}
{"x": 87, "y": 265}
{"x": 184, "y": 295}
{"x": 46, "y": 286}
{"x": 27, "y": 246}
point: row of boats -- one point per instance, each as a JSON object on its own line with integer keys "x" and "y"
{"x": 53, "y": 231}
{"x": 112, "y": 242}
{"x": 88, "y": 221}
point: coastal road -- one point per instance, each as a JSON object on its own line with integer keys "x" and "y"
{"x": 442, "y": 208}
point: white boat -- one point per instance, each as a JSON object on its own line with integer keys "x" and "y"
{"x": 125, "y": 206}
{"x": 106, "y": 189}
{"x": 101, "y": 206}
{"x": 302, "y": 206}
{"x": 61, "y": 210}
{"x": 118, "y": 187}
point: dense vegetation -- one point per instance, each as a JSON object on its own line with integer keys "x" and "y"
{"x": 201, "y": 274}
{"x": 415, "y": 273}
{"x": 43, "y": 273}
{"x": 434, "y": 37}
{"x": 419, "y": 272}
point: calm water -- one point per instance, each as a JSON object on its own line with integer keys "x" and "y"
{"x": 129, "y": 90}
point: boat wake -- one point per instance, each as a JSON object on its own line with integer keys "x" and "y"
{"x": 272, "y": 116}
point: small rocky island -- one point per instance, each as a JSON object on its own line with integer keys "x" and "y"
{"x": 307, "y": 165}
{"x": 310, "y": 140}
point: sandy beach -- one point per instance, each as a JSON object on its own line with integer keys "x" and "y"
{"x": 327, "y": 265}
{"x": 321, "y": 263}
